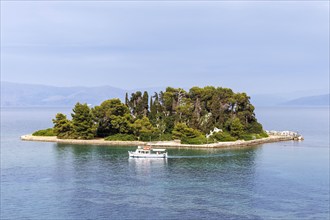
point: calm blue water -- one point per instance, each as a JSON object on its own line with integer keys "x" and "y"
{"x": 286, "y": 180}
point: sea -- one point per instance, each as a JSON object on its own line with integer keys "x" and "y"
{"x": 283, "y": 180}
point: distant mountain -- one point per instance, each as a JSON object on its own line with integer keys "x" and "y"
{"x": 319, "y": 100}
{"x": 29, "y": 95}
{"x": 285, "y": 98}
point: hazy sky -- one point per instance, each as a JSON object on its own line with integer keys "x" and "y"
{"x": 257, "y": 47}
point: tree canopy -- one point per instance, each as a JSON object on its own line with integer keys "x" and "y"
{"x": 112, "y": 117}
{"x": 182, "y": 114}
{"x": 82, "y": 122}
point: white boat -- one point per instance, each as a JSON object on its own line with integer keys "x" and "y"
{"x": 148, "y": 152}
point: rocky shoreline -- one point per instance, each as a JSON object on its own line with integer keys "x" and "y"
{"x": 163, "y": 144}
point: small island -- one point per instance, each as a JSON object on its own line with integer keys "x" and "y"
{"x": 201, "y": 117}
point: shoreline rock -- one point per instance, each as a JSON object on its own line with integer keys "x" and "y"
{"x": 164, "y": 144}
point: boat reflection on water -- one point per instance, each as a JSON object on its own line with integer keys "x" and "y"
{"x": 144, "y": 162}
{"x": 147, "y": 165}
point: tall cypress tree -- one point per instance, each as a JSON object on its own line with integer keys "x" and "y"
{"x": 145, "y": 99}
{"x": 151, "y": 104}
{"x": 126, "y": 99}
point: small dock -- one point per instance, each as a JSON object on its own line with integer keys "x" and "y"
{"x": 294, "y": 135}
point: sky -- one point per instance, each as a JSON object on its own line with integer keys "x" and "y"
{"x": 253, "y": 46}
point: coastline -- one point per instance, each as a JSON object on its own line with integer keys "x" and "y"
{"x": 164, "y": 144}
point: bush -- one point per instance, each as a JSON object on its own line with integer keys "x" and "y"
{"x": 182, "y": 131}
{"x": 262, "y": 135}
{"x": 196, "y": 140}
{"x": 249, "y": 137}
{"x": 45, "y": 132}
{"x": 166, "y": 137}
{"x": 155, "y": 137}
{"x": 254, "y": 128}
{"x": 235, "y": 127}
{"x": 222, "y": 136}
{"x": 149, "y": 137}
{"x": 121, "y": 137}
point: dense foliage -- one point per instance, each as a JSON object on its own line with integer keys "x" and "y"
{"x": 45, "y": 132}
{"x": 62, "y": 126}
{"x": 112, "y": 117}
{"x": 121, "y": 137}
{"x": 82, "y": 122}
{"x": 170, "y": 114}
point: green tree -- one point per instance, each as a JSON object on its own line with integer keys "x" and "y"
{"x": 82, "y": 121}
{"x": 112, "y": 117}
{"x": 120, "y": 124}
{"x": 126, "y": 99}
{"x": 222, "y": 136}
{"x": 182, "y": 131}
{"x": 143, "y": 126}
{"x": 145, "y": 106}
{"x": 138, "y": 104}
{"x": 62, "y": 126}
{"x": 255, "y": 127}
{"x": 235, "y": 127}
